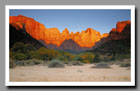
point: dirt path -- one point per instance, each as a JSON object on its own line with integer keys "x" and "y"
{"x": 69, "y": 73}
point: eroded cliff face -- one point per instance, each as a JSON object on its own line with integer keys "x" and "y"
{"x": 105, "y": 35}
{"x": 121, "y": 31}
{"x": 86, "y": 38}
{"x": 38, "y": 31}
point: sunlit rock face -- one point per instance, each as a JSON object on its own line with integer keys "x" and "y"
{"x": 121, "y": 31}
{"x": 121, "y": 25}
{"x": 86, "y": 38}
{"x": 35, "y": 29}
{"x": 105, "y": 35}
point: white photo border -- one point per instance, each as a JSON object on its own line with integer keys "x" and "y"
{"x": 7, "y": 81}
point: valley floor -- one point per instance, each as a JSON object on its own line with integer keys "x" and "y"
{"x": 84, "y": 73}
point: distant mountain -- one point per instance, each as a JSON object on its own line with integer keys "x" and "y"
{"x": 68, "y": 45}
{"x": 71, "y": 46}
{"x": 20, "y": 35}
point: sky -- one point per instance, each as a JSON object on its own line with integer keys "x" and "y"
{"x": 76, "y": 20}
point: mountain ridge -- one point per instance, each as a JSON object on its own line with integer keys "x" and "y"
{"x": 86, "y": 38}
{"x": 52, "y": 38}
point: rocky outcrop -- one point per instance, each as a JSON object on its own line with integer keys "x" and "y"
{"x": 38, "y": 31}
{"x": 105, "y": 35}
{"x": 122, "y": 31}
{"x": 54, "y": 39}
{"x": 22, "y": 36}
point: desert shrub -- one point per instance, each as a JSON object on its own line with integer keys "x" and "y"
{"x": 52, "y": 54}
{"x": 69, "y": 64}
{"x": 47, "y": 54}
{"x": 102, "y": 65}
{"x": 86, "y": 61}
{"x": 33, "y": 55}
{"x": 19, "y": 56}
{"x": 20, "y": 63}
{"x": 69, "y": 56}
{"x": 55, "y": 63}
{"x": 28, "y": 62}
{"x": 62, "y": 58}
{"x": 96, "y": 58}
{"x": 77, "y": 63}
{"x": 87, "y": 56}
{"x": 42, "y": 53}
{"x": 125, "y": 64}
{"x": 66, "y": 62}
{"x": 126, "y": 60}
{"x": 77, "y": 58}
{"x": 11, "y": 54}
{"x": 12, "y": 63}
{"x": 18, "y": 47}
{"x": 122, "y": 56}
{"x": 37, "y": 61}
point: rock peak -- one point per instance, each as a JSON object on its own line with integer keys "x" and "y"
{"x": 105, "y": 35}
{"x": 21, "y": 16}
{"x": 86, "y": 38}
{"x": 121, "y": 25}
{"x": 65, "y": 31}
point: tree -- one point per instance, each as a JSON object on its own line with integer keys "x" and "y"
{"x": 18, "y": 47}
{"x": 62, "y": 58}
{"x": 77, "y": 58}
{"x": 96, "y": 58}
{"x": 87, "y": 56}
{"x": 29, "y": 47}
{"x": 69, "y": 56}
{"x": 19, "y": 56}
{"x": 42, "y": 53}
{"x": 33, "y": 55}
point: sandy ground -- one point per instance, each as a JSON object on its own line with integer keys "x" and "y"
{"x": 84, "y": 73}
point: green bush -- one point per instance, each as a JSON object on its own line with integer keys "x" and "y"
{"x": 68, "y": 55}
{"x": 77, "y": 58}
{"x": 69, "y": 64}
{"x": 62, "y": 58}
{"x": 77, "y": 63}
{"x": 96, "y": 58}
{"x": 87, "y": 56}
{"x": 36, "y": 62}
{"x": 19, "y": 56}
{"x": 12, "y": 64}
{"x": 28, "y": 62}
{"x": 102, "y": 65}
{"x": 86, "y": 61}
{"x": 125, "y": 64}
{"x": 33, "y": 62}
{"x": 55, "y": 63}
{"x": 19, "y": 47}
{"x": 21, "y": 63}
{"x": 47, "y": 54}
{"x": 66, "y": 62}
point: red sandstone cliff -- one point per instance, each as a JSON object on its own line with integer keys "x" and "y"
{"x": 121, "y": 31}
{"x": 86, "y": 38}
{"x": 38, "y": 31}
